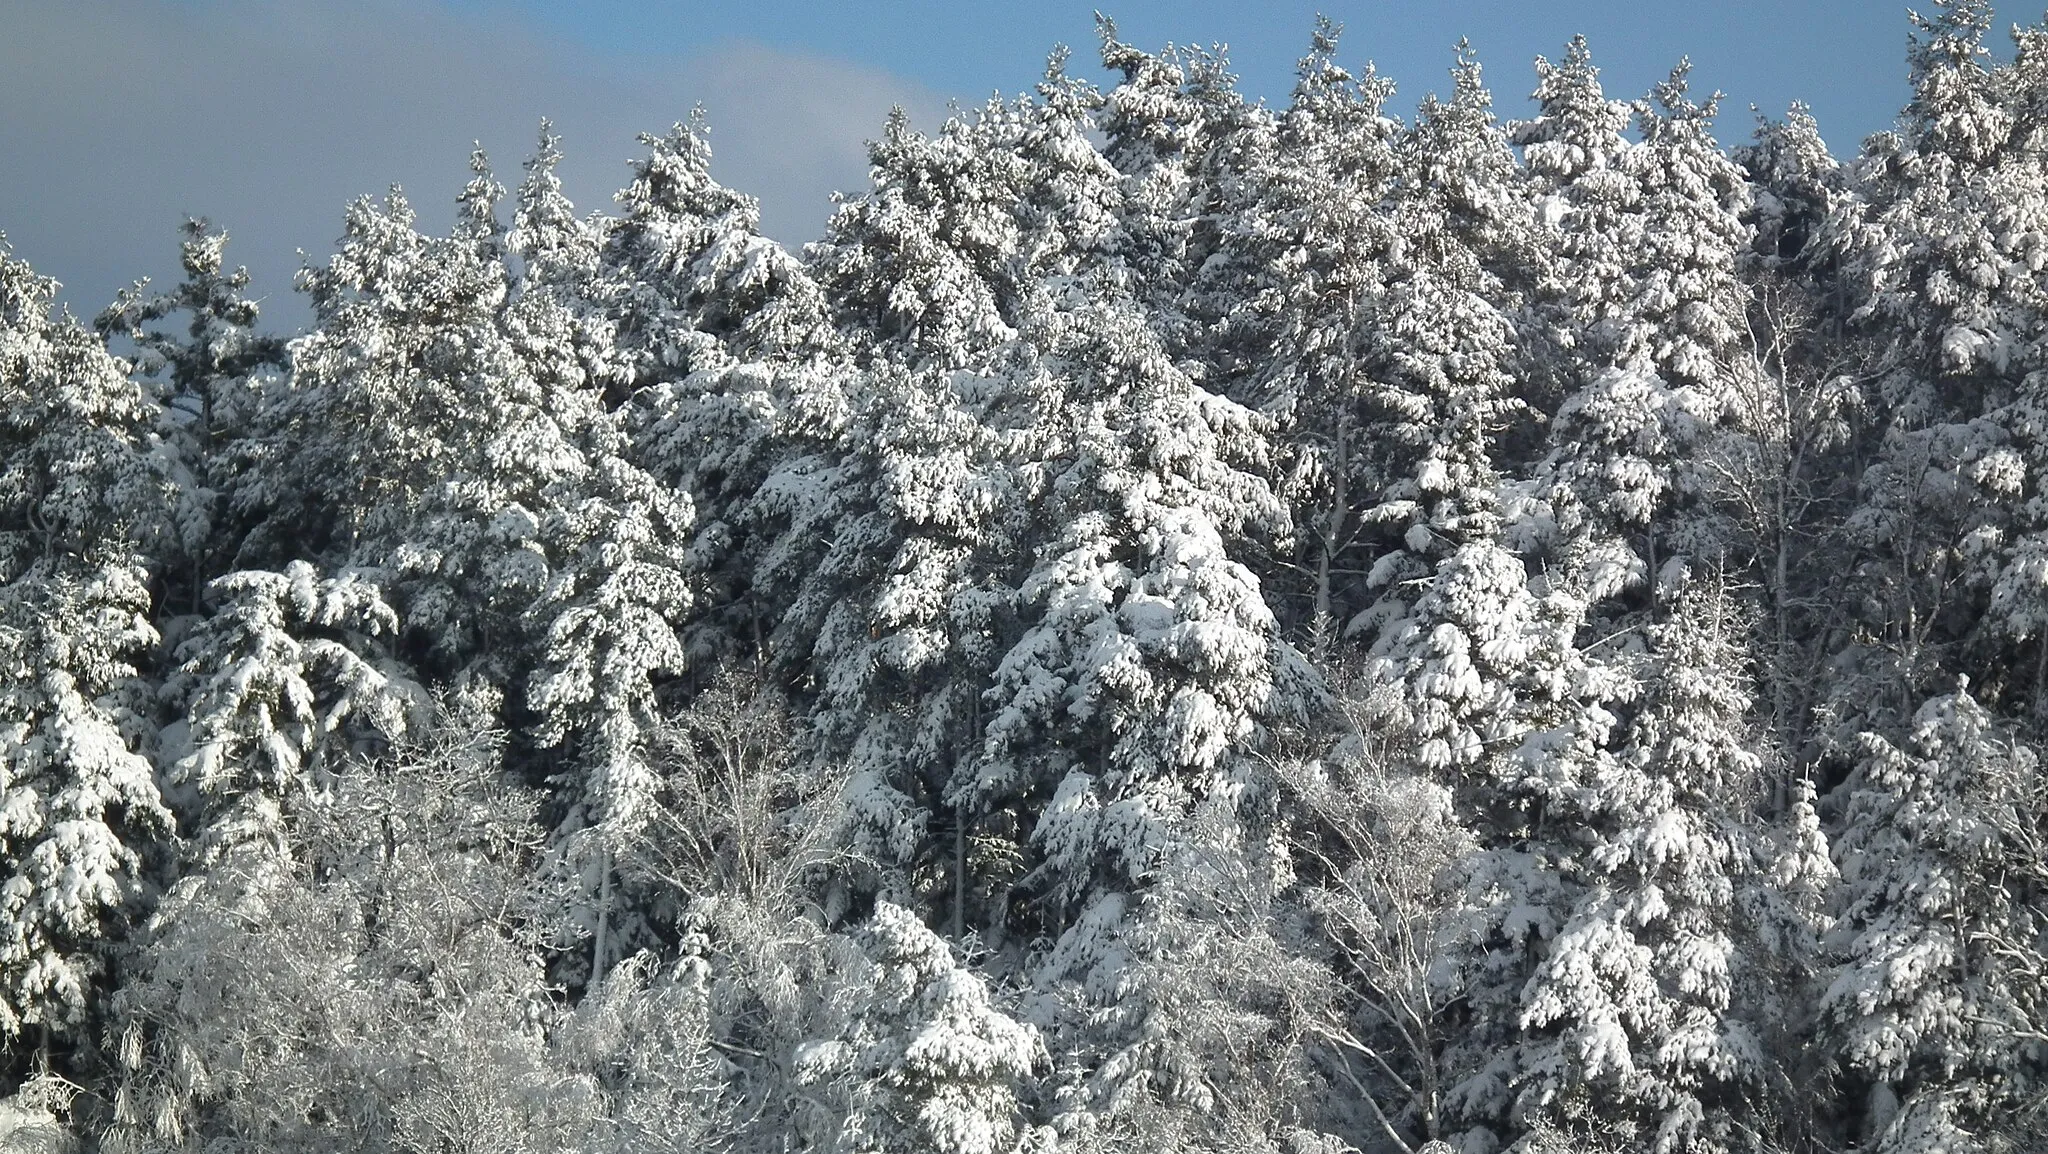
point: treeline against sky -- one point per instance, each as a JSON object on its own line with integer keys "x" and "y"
{"x": 1178, "y": 625}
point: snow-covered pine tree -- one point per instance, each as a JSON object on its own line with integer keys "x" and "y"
{"x": 1016, "y": 191}
{"x": 1936, "y": 952}
{"x": 1146, "y": 662}
{"x": 1072, "y": 198}
{"x": 555, "y": 315}
{"x": 925, "y": 1059}
{"x": 688, "y": 280}
{"x": 1442, "y": 399}
{"x": 445, "y": 417}
{"x": 287, "y": 677}
{"x": 1441, "y": 385}
{"x": 1795, "y": 185}
{"x": 1316, "y": 239}
{"x": 85, "y": 496}
{"x": 921, "y": 269}
{"x": 554, "y": 245}
{"x": 1644, "y": 290}
{"x": 212, "y": 375}
{"x": 890, "y": 565}
{"x": 1940, "y": 253}
{"x": 1576, "y": 152}
{"x": 1634, "y": 1015}
{"x": 1190, "y": 148}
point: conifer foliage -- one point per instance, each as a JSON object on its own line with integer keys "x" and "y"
{"x": 1179, "y": 624}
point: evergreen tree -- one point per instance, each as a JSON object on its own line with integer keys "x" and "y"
{"x": 1146, "y": 663}
{"x": 276, "y": 688}
{"x": 921, "y": 269}
{"x": 86, "y": 495}
{"x": 1927, "y": 989}
{"x": 1937, "y": 258}
{"x": 1651, "y": 235}
{"x": 1576, "y": 150}
{"x": 1633, "y": 1010}
{"x": 924, "y": 1059}
{"x": 688, "y": 280}
{"x": 1190, "y": 148}
{"x": 1318, "y": 235}
{"x": 213, "y": 379}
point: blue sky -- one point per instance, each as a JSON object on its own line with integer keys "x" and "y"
{"x": 1843, "y": 57}
{"x": 120, "y": 117}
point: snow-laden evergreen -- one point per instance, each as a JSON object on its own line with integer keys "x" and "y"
{"x": 1180, "y": 624}
{"x": 86, "y": 492}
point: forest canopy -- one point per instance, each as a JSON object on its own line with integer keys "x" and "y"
{"x": 1179, "y": 625}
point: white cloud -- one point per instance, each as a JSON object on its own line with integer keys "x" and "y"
{"x": 120, "y": 117}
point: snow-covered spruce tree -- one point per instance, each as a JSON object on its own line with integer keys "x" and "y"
{"x": 2013, "y": 636}
{"x": 1576, "y": 151}
{"x": 365, "y": 427}
{"x": 213, "y": 375}
{"x": 1146, "y": 661}
{"x": 1920, "y": 246}
{"x": 444, "y": 418}
{"x": 900, "y": 539}
{"x": 687, "y": 278}
{"x": 556, "y": 247}
{"x": 1937, "y": 955}
{"x": 1455, "y": 416}
{"x": 1938, "y": 255}
{"x": 1315, "y": 240}
{"x": 1484, "y": 656}
{"x": 921, "y": 269}
{"x": 1459, "y": 154}
{"x": 1477, "y": 656}
{"x": 892, "y": 567}
{"x": 924, "y": 1059}
{"x": 1644, "y": 291}
{"x": 925, "y": 273}
{"x": 85, "y": 498}
{"x": 1441, "y": 393}
{"x": 1634, "y": 1015}
{"x": 1190, "y": 148}
{"x": 286, "y": 678}
{"x": 1687, "y": 306}
{"x": 1498, "y": 698}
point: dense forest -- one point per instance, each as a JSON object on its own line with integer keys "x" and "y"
{"x": 1178, "y": 625}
